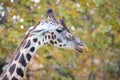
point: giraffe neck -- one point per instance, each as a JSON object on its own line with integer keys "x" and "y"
{"x": 24, "y": 53}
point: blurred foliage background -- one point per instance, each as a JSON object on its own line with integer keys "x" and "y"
{"x": 96, "y": 22}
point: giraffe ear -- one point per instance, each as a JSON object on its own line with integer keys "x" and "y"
{"x": 51, "y": 14}
{"x": 63, "y": 24}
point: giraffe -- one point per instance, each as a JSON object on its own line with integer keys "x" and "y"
{"x": 49, "y": 31}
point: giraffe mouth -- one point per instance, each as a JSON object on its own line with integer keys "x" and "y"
{"x": 81, "y": 49}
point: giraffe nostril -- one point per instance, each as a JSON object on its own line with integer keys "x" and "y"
{"x": 80, "y": 43}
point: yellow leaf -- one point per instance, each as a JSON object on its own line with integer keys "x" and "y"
{"x": 0, "y": 30}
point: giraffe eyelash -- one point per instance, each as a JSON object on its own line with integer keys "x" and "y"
{"x": 60, "y": 30}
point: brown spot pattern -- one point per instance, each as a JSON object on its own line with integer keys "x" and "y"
{"x": 48, "y": 36}
{"x": 35, "y": 39}
{"x": 51, "y": 42}
{"x": 17, "y": 56}
{"x": 59, "y": 40}
{"x": 5, "y": 78}
{"x": 19, "y": 71}
{"x": 45, "y": 36}
{"x": 28, "y": 44}
{"x": 39, "y": 43}
{"x": 12, "y": 68}
{"x": 14, "y": 78}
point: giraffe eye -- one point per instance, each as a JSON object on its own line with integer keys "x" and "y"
{"x": 60, "y": 30}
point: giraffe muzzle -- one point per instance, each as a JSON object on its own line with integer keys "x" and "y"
{"x": 81, "y": 47}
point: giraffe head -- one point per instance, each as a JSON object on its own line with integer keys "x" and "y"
{"x": 53, "y": 32}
